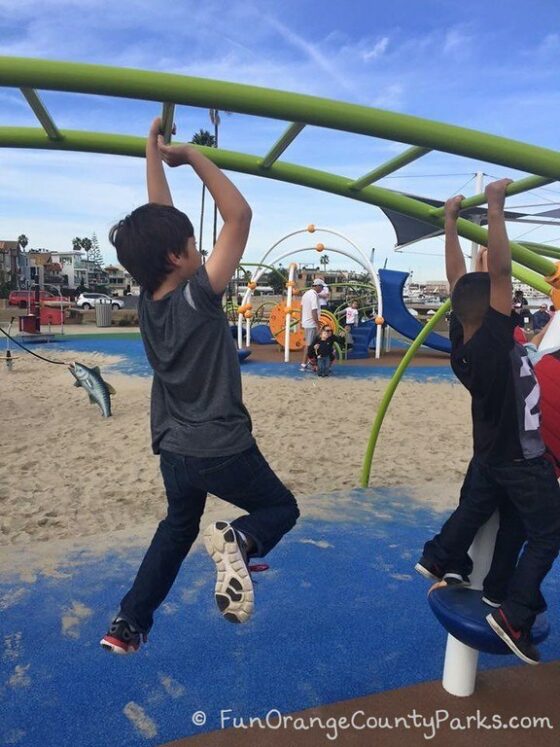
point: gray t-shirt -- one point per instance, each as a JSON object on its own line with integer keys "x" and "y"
{"x": 197, "y": 407}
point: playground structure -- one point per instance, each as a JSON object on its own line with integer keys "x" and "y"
{"x": 285, "y": 317}
{"x": 41, "y": 312}
{"x": 531, "y": 261}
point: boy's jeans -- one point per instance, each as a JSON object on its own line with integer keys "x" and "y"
{"x": 245, "y": 480}
{"x": 323, "y": 365}
{"x": 530, "y": 487}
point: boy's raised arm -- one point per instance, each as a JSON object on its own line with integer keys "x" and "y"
{"x": 234, "y": 209}
{"x": 499, "y": 252}
{"x": 455, "y": 266}
{"x": 158, "y": 188}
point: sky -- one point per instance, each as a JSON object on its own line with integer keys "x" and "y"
{"x": 488, "y": 66}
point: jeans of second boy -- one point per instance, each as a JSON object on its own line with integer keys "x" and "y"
{"x": 323, "y": 365}
{"x": 527, "y": 489}
{"x": 244, "y": 480}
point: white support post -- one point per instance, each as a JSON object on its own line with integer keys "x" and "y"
{"x": 388, "y": 339}
{"x": 240, "y": 331}
{"x": 461, "y": 661}
{"x": 474, "y": 245}
{"x": 378, "y": 340}
{"x": 288, "y": 322}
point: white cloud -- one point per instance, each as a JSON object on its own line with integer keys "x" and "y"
{"x": 550, "y": 45}
{"x": 390, "y": 97}
{"x": 314, "y": 54}
{"x": 377, "y": 51}
{"x": 456, "y": 42}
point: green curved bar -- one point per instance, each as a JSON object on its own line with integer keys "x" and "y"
{"x": 127, "y": 145}
{"x": 515, "y": 188}
{"x": 178, "y": 89}
{"x": 542, "y": 249}
{"x": 388, "y": 395}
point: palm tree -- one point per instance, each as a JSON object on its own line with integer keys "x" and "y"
{"x": 76, "y": 244}
{"x": 86, "y": 246}
{"x": 22, "y": 241}
{"x": 324, "y": 261}
{"x": 202, "y": 137}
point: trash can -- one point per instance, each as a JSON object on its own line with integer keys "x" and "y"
{"x": 103, "y": 313}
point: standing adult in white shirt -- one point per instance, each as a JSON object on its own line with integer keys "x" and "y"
{"x": 310, "y": 316}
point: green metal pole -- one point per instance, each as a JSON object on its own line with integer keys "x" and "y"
{"x": 515, "y": 188}
{"x": 388, "y": 395}
{"x": 280, "y": 146}
{"x": 525, "y": 275}
{"x": 542, "y": 249}
{"x": 403, "y": 159}
{"x": 287, "y": 172}
{"x": 142, "y": 84}
{"x": 41, "y": 112}
{"x": 167, "y": 115}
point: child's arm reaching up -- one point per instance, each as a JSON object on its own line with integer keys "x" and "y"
{"x": 499, "y": 252}
{"x": 455, "y": 266}
{"x": 158, "y": 189}
{"x": 233, "y": 208}
{"x": 482, "y": 259}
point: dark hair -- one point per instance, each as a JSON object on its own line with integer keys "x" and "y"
{"x": 471, "y": 297}
{"x": 146, "y": 237}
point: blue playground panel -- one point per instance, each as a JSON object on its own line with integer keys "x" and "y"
{"x": 261, "y": 335}
{"x": 134, "y": 361}
{"x": 398, "y": 316}
{"x": 339, "y": 614}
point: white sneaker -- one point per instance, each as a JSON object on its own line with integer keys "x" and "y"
{"x": 234, "y": 587}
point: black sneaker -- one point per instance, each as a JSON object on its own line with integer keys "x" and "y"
{"x": 234, "y": 586}
{"x": 429, "y": 570}
{"x": 519, "y": 641}
{"x": 492, "y": 601}
{"x": 122, "y": 638}
{"x": 456, "y": 579}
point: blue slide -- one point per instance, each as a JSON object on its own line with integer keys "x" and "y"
{"x": 398, "y": 316}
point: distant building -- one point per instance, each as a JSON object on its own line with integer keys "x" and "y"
{"x": 120, "y": 281}
{"x": 76, "y": 271}
{"x": 9, "y": 262}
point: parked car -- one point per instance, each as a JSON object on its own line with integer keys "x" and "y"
{"x": 21, "y": 298}
{"x": 89, "y": 300}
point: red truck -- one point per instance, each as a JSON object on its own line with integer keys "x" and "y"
{"x": 21, "y": 298}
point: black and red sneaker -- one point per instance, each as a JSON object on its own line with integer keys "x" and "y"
{"x": 122, "y": 638}
{"x": 519, "y": 641}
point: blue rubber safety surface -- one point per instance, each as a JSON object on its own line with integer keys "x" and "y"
{"x": 135, "y": 363}
{"x": 339, "y": 614}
